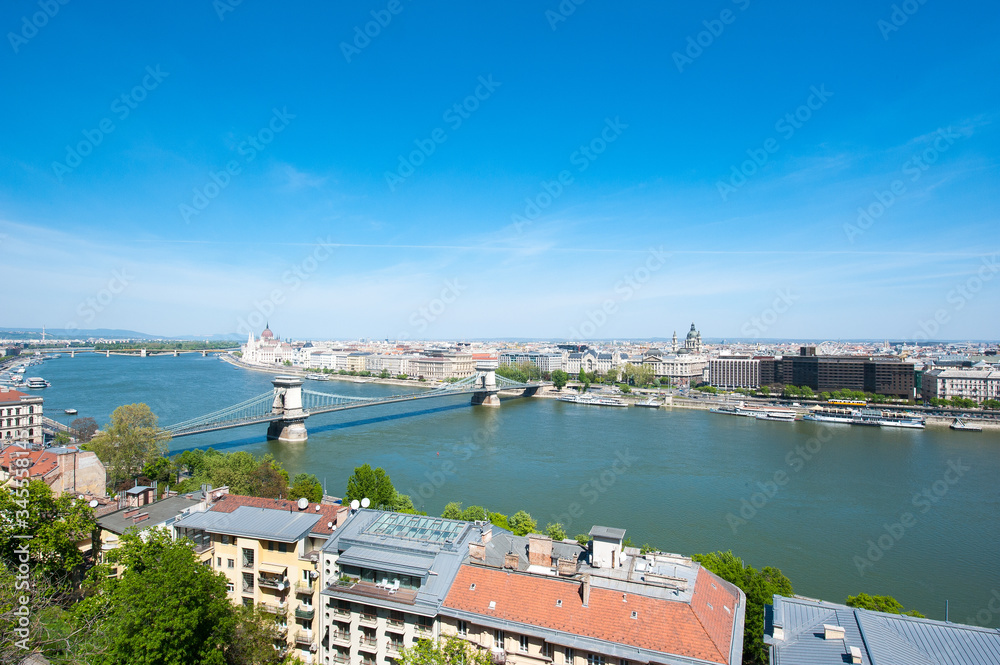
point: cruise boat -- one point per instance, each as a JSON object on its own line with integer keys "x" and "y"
{"x": 780, "y": 413}
{"x": 841, "y": 416}
{"x": 963, "y": 426}
{"x": 37, "y": 382}
{"x": 594, "y": 400}
{"x": 70, "y": 412}
{"x": 868, "y": 418}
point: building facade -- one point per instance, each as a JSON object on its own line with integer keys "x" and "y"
{"x": 390, "y": 579}
{"x": 734, "y": 372}
{"x": 267, "y": 350}
{"x": 65, "y": 469}
{"x": 269, "y": 550}
{"x": 545, "y": 362}
{"x": 20, "y": 417}
{"x": 442, "y": 365}
{"x": 976, "y": 384}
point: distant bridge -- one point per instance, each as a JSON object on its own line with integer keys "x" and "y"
{"x": 289, "y": 404}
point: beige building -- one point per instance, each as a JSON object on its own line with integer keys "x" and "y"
{"x": 66, "y": 470}
{"x": 391, "y": 579}
{"x": 734, "y": 372}
{"x": 20, "y": 417}
{"x": 976, "y": 384}
{"x": 269, "y": 550}
{"x": 442, "y": 365}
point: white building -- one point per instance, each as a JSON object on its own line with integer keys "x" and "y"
{"x": 734, "y": 372}
{"x": 268, "y": 350}
{"x": 976, "y": 384}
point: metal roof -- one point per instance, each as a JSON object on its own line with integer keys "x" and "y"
{"x": 607, "y": 532}
{"x": 388, "y": 561}
{"x": 250, "y": 522}
{"x": 158, "y": 511}
{"x": 416, "y": 527}
{"x": 884, "y": 639}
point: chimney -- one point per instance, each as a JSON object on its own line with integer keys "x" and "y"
{"x": 585, "y": 590}
{"x": 477, "y": 552}
{"x": 855, "y": 655}
{"x": 567, "y": 567}
{"x": 487, "y": 535}
{"x": 129, "y": 513}
{"x": 831, "y": 632}
{"x": 539, "y": 550}
{"x": 510, "y": 561}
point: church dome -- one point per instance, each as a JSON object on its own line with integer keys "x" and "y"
{"x": 267, "y": 334}
{"x": 692, "y": 333}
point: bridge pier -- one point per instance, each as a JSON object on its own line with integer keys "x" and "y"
{"x": 204, "y": 353}
{"x": 487, "y": 380}
{"x": 290, "y": 426}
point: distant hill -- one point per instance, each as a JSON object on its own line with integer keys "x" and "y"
{"x": 104, "y": 333}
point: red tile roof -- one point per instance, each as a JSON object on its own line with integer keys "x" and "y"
{"x": 42, "y": 461}
{"x": 227, "y": 503}
{"x": 666, "y": 626}
{"x": 12, "y": 395}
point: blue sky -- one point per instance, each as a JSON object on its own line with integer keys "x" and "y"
{"x": 615, "y": 171}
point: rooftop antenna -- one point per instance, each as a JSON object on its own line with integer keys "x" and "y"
{"x": 946, "y": 611}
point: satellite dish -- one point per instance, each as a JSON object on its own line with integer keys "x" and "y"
{"x": 329, "y": 525}
{"x": 93, "y": 503}
{"x": 365, "y": 502}
{"x": 303, "y": 503}
{"x": 355, "y": 504}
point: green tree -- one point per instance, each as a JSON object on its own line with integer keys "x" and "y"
{"x": 765, "y": 390}
{"x": 759, "y": 587}
{"x": 583, "y": 538}
{"x": 132, "y": 440}
{"x": 306, "y": 485}
{"x": 555, "y": 531}
{"x": 474, "y": 514}
{"x": 559, "y": 379}
{"x": 384, "y": 374}
{"x": 886, "y": 604}
{"x": 403, "y": 503}
{"x": 371, "y": 483}
{"x": 452, "y": 650}
{"x": 452, "y": 511}
{"x": 582, "y": 376}
{"x": 165, "y": 608}
{"x": 55, "y": 524}
{"x": 500, "y": 520}
{"x": 522, "y": 524}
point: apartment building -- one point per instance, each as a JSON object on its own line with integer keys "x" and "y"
{"x": 545, "y": 362}
{"x": 65, "y": 469}
{"x": 393, "y": 364}
{"x": 681, "y": 369}
{"x": 20, "y": 417}
{"x": 269, "y": 550}
{"x": 976, "y": 384}
{"x": 438, "y": 366}
{"x": 390, "y": 579}
{"x": 734, "y": 372}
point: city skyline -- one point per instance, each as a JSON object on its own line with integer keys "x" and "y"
{"x": 768, "y": 172}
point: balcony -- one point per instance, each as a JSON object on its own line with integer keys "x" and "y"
{"x": 304, "y": 587}
{"x": 341, "y": 611}
{"x": 305, "y": 613}
{"x": 368, "y": 643}
{"x": 311, "y": 555}
{"x": 274, "y": 608}
{"x": 282, "y": 629}
{"x": 340, "y": 636}
{"x": 396, "y": 624}
{"x": 498, "y": 656}
{"x": 279, "y": 583}
{"x": 423, "y": 629}
{"x": 370, "y": 590}
{"x": 369, "y": 619}
{"x": 395, "y": 647}
{"x": 340, "y": 658}
{"x": 304, "y": 638}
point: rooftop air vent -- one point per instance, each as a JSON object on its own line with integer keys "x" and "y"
{"x": 472, "y": 587}
{"x": 558, "y": 603}
{"x": 493, "y": 604}
{"x": 635, "y": 615}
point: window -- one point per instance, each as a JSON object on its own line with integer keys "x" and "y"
{"x": 463, "y": 628}
{"x": 270, "y": 546}
{"x": 282, "y": 547}
{"x": 247, "y": 582}
{"x": 567, "y": 655}
{"x": 218, "y": 561}
{"x": 498, "y": 638}
{"x": 247, "y": 558}
{"x": 230, "y": 563}
{"x": 594, "y": 659}
{"x": 524, "y": 644}
{"x": 547, "y": 650}
{"x": 230, "y": 587}
{"x": 225, "y": 540}
{"x": 248, "y": 602}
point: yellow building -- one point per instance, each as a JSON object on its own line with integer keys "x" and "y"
{"x": 269, "y": 550}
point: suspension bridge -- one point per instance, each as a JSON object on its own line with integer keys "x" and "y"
{"x": 287, "y": 406}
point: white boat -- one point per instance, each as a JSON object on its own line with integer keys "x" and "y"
{"x": 37, "y": 382}
{"x": 766, "y": 412}
{"x": 650, "y": 403}
{"x": 963, "y": 426}
{"x": 868, "y": 418}
{"x": 70, "y": 412}
{"x": 782, "y": 416}
{"x": 594, "y": 400}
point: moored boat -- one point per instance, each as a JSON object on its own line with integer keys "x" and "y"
{"x": 962, "y": 426}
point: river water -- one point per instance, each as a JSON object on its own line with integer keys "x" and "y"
{"x": 910, "y": 513}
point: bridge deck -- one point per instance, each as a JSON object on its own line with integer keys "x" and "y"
{"x": 357, "y": 403}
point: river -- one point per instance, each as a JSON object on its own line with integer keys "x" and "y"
{"x": 910, "y": 513}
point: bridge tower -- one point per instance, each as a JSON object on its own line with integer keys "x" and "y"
{"x": 290, "y": 425}
{"x": 486, "y": 378}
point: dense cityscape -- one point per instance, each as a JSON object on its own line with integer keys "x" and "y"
{"x": 559, "y": 333}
